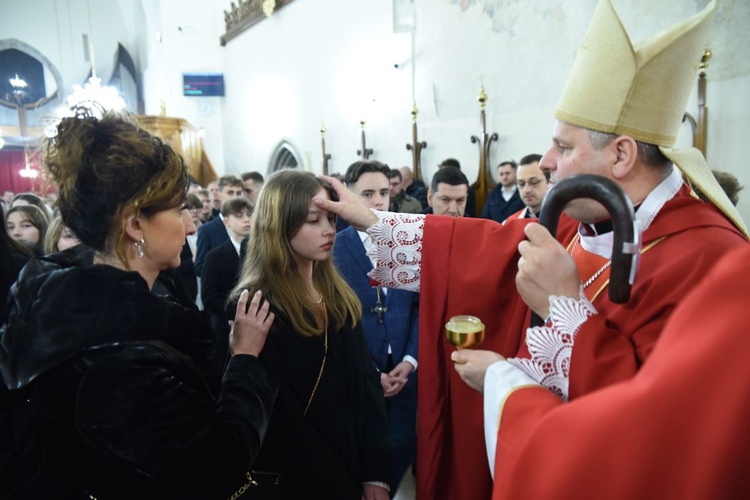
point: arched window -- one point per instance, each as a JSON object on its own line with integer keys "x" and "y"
{"x": 285, "y": 156}
{"x": 29, "y": 85}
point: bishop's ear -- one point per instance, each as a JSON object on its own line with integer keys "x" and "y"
{"x": 626, "y": 155}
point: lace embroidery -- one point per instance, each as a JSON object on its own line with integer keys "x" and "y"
{"x": 397, "y": 250}
{"x": 552, "y": 346}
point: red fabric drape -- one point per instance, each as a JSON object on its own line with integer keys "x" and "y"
{"x": 11, "y": 163}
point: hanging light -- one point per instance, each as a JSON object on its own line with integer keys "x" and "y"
{"x": 91, "y": 95}
{"x": 18, "y": 83}
{"x": 93, "y": 92}
{"x": 28, "y": 173}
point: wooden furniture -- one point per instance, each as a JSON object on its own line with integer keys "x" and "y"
{"x": 365, "y": 152}
{"x": 186, "y": 139}
{"x": 485, "y": 183}
{"x": 326, "y": 156}
{"x": 700, "y": 125}
{"x": 416, "y": 146}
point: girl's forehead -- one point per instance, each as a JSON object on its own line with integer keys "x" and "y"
{"x": 322, "y": 193}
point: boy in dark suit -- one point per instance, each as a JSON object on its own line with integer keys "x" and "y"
{"x": 390, "y": 319}
{"x": 221, "y": 267}
{"x": 213, "y": 233}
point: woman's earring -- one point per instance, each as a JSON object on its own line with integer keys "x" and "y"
{"x": 139, "y": 247}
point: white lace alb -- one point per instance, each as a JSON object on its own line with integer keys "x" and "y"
{"x": 551, "y": 346}
{"x": 397, "y": 250}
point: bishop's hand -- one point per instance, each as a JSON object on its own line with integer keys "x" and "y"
{"x": 471, "y": 365}
{"x": 349, "y": 206}
{"x": 545, "y": 269}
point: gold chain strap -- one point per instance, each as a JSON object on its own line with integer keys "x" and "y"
{"x": 250, "y": 482}
{"x": 325, "y": 355}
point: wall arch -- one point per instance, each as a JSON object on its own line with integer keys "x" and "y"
{"x": 285, "y": 155}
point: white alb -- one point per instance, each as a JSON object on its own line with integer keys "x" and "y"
{"x": 551, "y": 345}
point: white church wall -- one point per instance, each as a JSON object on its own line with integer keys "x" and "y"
{"x": 729, "y": 132}
{"x": 333, "y": 61}
{"x": 327, "y": 60}
{"x": 314, "y": 62}
{"x": 190, "y": 32}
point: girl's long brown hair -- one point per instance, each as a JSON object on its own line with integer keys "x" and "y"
{"x": 272, "y": 266}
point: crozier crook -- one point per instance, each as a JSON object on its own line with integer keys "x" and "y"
{"x": 627, "y": 237}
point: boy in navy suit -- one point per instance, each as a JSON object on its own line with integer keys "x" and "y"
{"x": 213, "y": 233}
{"x": 390, "y": 319}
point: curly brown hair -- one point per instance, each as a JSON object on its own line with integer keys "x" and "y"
{"x": 108, "y": 169}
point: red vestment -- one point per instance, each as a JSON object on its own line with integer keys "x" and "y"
{"x": 469, "y": 267}
{"x": 677, "y": 429}
{"x": 521, "y": 214}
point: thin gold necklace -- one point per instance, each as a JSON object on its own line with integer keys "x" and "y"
{"x": 596, "y": 274}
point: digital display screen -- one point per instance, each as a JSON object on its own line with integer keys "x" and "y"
{"x": 203, "y": 84}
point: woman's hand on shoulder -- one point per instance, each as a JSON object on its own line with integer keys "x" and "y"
{"x": 251, "y": 325}
{"x": 374, "y": 492}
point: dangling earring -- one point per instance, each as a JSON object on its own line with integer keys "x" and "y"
{"x": 139, "y": 247}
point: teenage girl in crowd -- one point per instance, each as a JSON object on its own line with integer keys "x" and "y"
{"x": 328, "y": 432}
{"x": 59, "y": 237}
{"x": 27, "y": 224}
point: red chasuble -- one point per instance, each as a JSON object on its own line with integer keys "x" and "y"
{"x": 677, "y": 429}
{"x": 469, "y": 267}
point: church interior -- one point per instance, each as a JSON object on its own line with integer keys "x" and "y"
{"x": 262, "y": 85}
{"x": 317, "y": 85}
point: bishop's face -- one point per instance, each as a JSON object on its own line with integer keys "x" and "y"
{"x": 571, "y": 153}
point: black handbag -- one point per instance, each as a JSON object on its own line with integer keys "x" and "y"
{"x": 260, "y": 485}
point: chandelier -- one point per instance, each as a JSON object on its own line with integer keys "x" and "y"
{"x": 28, "y": 172}
{"x": 18, "y": 83}
{"x": 91, "y": 95}
{"x": 93, "y": 92}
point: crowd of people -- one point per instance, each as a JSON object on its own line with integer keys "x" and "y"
{"x": 282, "y": 337}
{"x": 369, "y": 333}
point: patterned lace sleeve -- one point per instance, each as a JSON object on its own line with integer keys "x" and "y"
{"x": 397, "y": 250}
{"x": 551, "y": 345}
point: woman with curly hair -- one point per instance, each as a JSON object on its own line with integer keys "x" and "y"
{"x": 121, "y": 390}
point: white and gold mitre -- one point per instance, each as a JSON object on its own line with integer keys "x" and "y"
{"x": 641, "y": 90}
